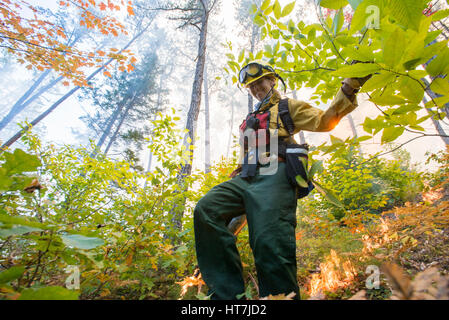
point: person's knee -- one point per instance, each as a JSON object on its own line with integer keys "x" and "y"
{"x": 273, "y": 253}
{"x": 201, "y": 209}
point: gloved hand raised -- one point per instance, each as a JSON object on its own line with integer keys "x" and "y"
{"x": 350, "y": 86}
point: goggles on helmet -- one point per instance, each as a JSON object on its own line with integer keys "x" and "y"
{"x": 253, "y": 72}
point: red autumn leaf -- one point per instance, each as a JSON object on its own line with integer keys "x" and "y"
{"x": 40, "y": 39}
{"x": 130, "y": 10}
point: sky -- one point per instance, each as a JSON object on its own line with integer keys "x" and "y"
{"x": 61, "y": 122}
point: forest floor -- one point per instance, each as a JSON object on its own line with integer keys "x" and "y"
{"x": 407, "y": 242}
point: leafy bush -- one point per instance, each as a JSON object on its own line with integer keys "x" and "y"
{"x": 92, "y": 213}
{"x": 365, "y": 187}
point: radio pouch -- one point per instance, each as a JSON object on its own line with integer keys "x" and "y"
{"x": 296, "y": 157}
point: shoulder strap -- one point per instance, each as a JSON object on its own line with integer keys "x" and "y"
{"x": 284, "y": 114}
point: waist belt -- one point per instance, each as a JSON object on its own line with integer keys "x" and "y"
{"x": 250, "y": 161}
{"x": 239, "y": 169}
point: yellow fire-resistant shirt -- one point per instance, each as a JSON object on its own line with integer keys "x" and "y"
{"x": 308, "y": 118}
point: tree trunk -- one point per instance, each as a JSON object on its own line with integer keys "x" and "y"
{"x": 15, "y": 110}
{"x": 67, "y": 95}
{"x": 23, "y": 102}
{"x": 109, "y": 126}
{"x": 437, "y": 125}
{"x": 434, "y": 95}
{"x": 352, "y": 124}
{"x": 159, "y": 102}
{"x": 354, "y": 132}
{"x": 207, "y": 123}
{"x": 119, "y": 125}
{"x": 231, "y": 125}
{"x": 195, "y": 102}
{"x": 254, "y": 34}
{"x": 192, "y": 116}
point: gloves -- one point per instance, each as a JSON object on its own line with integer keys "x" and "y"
{"x": 350, "y": 86}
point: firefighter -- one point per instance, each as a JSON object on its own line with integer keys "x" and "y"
{"x": 268, "y": 200}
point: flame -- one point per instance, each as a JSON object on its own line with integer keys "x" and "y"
{"x": 432, "y": 195}
{"x": 194, "y": 280}
{"x": 378, "y": 239}
{"x": 334, "y": 275}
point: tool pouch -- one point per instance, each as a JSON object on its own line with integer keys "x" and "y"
{"x": 296, "y": 157}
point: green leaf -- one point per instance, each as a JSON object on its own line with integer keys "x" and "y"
{"x": 288, "y": 9}
{"x": 387, "y": 97}
{"x": 404, "y": 119}
{"x": 5, "y": 181}
{"x": 81, "y": 242}
{"x": 354, "y": 3}
{"x": 417, "y": 74}
{"x": 337, "y": 23}
{"x": 241, "y": 55}
{"x": 357, "y": 70}
{"x": 431, "y": 36}
{"x": 259, "y": 21}
{"x": 333, "y": 4}
{"x": 335, "y": 140}
{"x": 439, "y": 65}
{"x": 276, "y": 47}
{"x": 370, "y": 125}
{"x": 378, "y": 81}
{"x": 282, "y": 26}
{"x": 299, "y": 36}
{"x": 391, "y": 133}
{"x": 412, "y": 64}
{"x": 411, "y": 90}
{"x": 328, "y": 195}
{"x": 265, "y": 5}
{"x": 418, "y": 128}
{"x": 16, "y": 230}
{"x": 301, "y": 181}
{"x": 48, "y": 293}
{"x": 253, "y": 8}
{"x": 440, "y": 14}
{"x": 292, "y": 26}
{"x": 230, "y": 56}
{"x": 406, "y": 108}
{"x": 413, "y": 54}
{"x": 23, "y": 221}
{"x": 362, "y": 53}
{"x": 364, "y": 138}
{"x": 277, "y": 9}
{"x": 363, "y": 17}
{"x": 317, "y": 167}
{"x": 442, "y": 101}
{"x": 234, "y": 66}
{"x": 393, "y": 48}
{"x": 268, "y": 10}
{"x": 440, "y": 86}
{"x": 407, "y": 12}
{"x": 11, "y": 274}
{"x": 20, "y": 161}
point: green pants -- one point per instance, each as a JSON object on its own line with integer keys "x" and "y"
{"x": 269, "y": 203}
